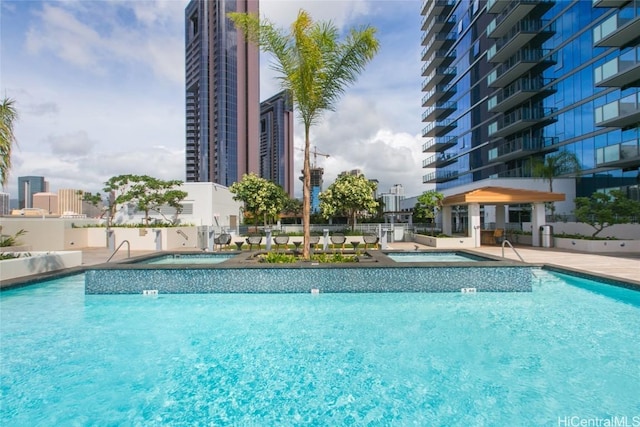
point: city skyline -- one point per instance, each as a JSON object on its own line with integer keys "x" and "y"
{"x": 111, "y": 100}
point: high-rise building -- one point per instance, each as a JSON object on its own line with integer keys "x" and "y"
{"x": 509, "y": 82}
{"x": 276, "y": 141}
{"x": 70, "y": 201}
{"x": 5, "y": 208}
{"x": 27, "y": 187}
{"x": 46, "y": 202}
{"x": 222, "y": 93}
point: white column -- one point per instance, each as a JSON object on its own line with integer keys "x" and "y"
{"x": 446, "y": 220}
{"x": 474, "y": 223}
{"x": 538, "y": 218}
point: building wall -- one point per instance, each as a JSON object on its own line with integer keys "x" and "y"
{"x": 222, "y": 94}
{"x": 27, "y": 187}
{"x": 48, "y": 202}
{"x": 510, "y": 82}
{"x": 70, "y": 200}
{"x": 5, "y": 207}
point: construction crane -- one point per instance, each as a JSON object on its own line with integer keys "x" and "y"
{"x": 315, "y": 155}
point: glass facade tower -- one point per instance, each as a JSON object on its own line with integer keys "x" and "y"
{"x": 509, "y": 82}
{"x": 276, "y": 141}
{"x": 222, "y": 93}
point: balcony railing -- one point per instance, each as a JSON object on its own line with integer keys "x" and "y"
{"x": 619, "y": 155}
{"x": 439, "y": 144}
{"x": 515, "y": 11}
{"x": 622, "y": 113}
{"x": 519, "y": 120}
{"x": 522, "y": 33}
{"x": 519, "y": 91}
{"x": 619, "y": 29}
{"x": 441, "y": 57}
{"x": 439, "y": 128}
{"x": 520, "y": 147}
{"x": 520, "y": 63}
{"x": 621, "y": 71}
{"x": 439, "y": 160}
{"x": 439, "y": 176}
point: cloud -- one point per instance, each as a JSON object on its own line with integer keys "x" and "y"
{"x": 42, "y": 109}
{"x": 74, "y": 144}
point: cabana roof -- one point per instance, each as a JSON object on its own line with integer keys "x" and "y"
{"x": 502, "y": 196}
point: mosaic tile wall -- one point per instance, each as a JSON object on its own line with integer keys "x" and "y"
{"x": 303, "y": 280}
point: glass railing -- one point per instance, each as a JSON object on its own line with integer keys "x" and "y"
{"x": 439, "y": 175}
{"x": 438, "y": 106}
{"x": 617, "y": 65}
{"x": 440, "y": 140}
{"x": 620, "y": 108}
{"x": 616, "y": 21}
{"x": 628, "y": 150}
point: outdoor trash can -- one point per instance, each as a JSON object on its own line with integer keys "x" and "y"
{"x": 546, "y": 236}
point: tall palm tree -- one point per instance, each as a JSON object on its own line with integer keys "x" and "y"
{"x": 8, "y": 116}
{"x": 562, "y": 163}
{"x": 315, "y": 67}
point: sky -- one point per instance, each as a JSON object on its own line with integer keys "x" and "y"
{"x": 99, "y": 88}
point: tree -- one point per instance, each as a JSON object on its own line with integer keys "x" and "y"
{"x": 8, "y": 116}
{"x": 293, "y": 206}
{"x": 261, "y": 198}
{"x": 427, "y": 206}
{"x": 562, "y": 163}
{"x": 602, "y": 210}
{"x": 349, "y": 195}
{"x": 315, "y": 68}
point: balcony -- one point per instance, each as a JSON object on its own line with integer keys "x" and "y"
{"x": 520, "y": 119}
{"x": 439, "y": 111}
{"x": 436, "y": 145}
{"x": 519, "y": 147}
{"x": 439, "y": 128}
{"x": 519, "y": 92}
{"x": 609, "y": 3}
{"x": 430, "y": 7}
{"x": 438, "y": 41}
{"x": 518, "y": 64}
{"x": 623, "y": 71}
{"x": 439, "y": 160}
{"x": 439, "y": 93}
{"x": 621, "y": 155}
{"x": 496, "y": 6}
{"x": 438, "y": 23}
{"x": 620, "y": 29}
{"x": 518, "y": 37}
{"x": 622, "y": 113}
{"x": 439, "y": 58}
{"x": 512, "y": 13}
{"x": 441, "y": 75}
{"x": 439, "y": 176}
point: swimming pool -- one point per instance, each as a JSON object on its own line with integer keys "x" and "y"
{"x": 207, "y": 258}
{"x": 569, "y": 348}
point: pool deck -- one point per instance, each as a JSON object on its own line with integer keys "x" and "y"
{"x": 619, "y": 266}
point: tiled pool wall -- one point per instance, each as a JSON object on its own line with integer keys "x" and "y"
{"x": 303, "y": 280}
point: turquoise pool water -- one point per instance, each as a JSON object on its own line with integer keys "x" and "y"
{"x": 431, "y": 257}
{"x": 569, "y": 348}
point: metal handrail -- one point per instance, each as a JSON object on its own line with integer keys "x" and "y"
{"x": 119, "y": 246}
{"x": 511, "y": 246}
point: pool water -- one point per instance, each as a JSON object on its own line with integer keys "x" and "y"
{"x": 431, "y": 257}
{"x": 189, "y": 259}
{"x": 569, "y": 348}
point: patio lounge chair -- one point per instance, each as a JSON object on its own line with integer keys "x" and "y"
{"x": 338, "y": 239}
{"x": 281, "y": 240}
{"x": 314, "y": 242}
{"x": 254, "y": 241}
{"x": 370, "y": 239}
{"x": 222, "y": 240}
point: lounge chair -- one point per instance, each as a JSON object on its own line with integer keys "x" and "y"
{"x": 281, "y": 240}
{"x": 370, "y": 239}
{"x": 254, "y": 241}
{"x": 222, "y": 240}
{"x": 314, "y": 242}
{"x": 338, "y": 239}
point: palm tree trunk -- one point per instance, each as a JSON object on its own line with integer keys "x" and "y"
{"x": 306, "y": 195}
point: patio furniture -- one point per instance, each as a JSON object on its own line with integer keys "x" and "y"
{"x": 255, "y": 240}
{"x": 297, "y": 245}
{"x": 338, "y": 239}
{"x": 355, "y": 244}
{"x": 281, "y": 240}
{"x": 239, "y": 244}
{"x": 314, "y": 241}
{"x": 370, "y": 239}
{"x": 222, "y": 240}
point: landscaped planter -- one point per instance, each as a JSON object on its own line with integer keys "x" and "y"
{"x": 31, "y": 263}
{"x": 597, "y": 246}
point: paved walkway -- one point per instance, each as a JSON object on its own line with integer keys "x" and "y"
{"x": 621, "y": 266}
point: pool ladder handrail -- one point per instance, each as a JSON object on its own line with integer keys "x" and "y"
{"x": 505, "y": 241}
{"x": 119, "y": 246}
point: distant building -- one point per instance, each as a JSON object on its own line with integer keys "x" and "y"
{"x": 316, "y": 188}
{"x": 393, "y": 203}
{"x": 276, "y": 141}
{"x": 47, "y": 202}
{"x": 222, "y": 93}
{"x": 70, "y": 201}
{"x": 27, "y": 187}
{"x": 5, "y": 204}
